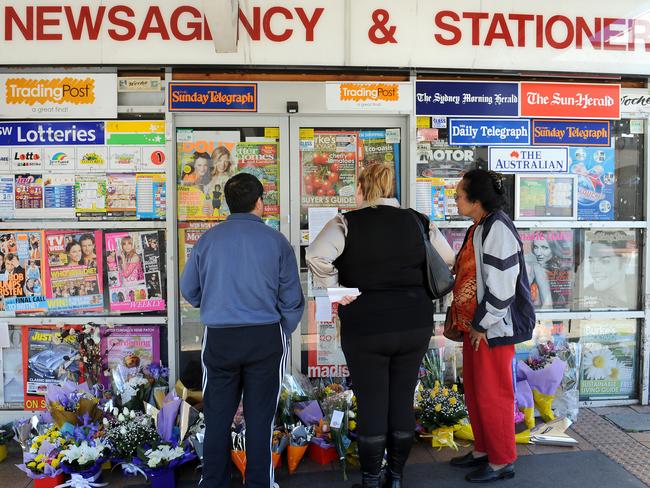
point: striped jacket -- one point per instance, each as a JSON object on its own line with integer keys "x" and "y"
{"x": 505, "y": 309}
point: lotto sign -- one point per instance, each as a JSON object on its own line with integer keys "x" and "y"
{"x": 570, "y": 100}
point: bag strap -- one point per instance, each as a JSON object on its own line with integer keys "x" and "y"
{"x": 416, "y": 216}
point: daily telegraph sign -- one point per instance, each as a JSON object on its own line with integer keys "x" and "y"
{"x": 487, "y": 132}
{"x": 555, "y": 35}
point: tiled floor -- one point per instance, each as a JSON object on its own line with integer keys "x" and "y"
{"x": 593, "y": 432}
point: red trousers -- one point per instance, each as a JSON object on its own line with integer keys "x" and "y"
{"x": 490, "y": 399}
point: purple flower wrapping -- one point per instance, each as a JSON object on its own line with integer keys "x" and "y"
{"x": 524, "y": 395}
{"x": 545, "y": 380}
{"x": 308, "y": 412}
{"x": 167, "y": 416}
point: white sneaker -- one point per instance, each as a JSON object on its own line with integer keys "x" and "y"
{"x": 275, "y": 485}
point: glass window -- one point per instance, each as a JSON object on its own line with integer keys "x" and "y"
{"x": 330, "y": 162}
{"x": 207, "y": 158}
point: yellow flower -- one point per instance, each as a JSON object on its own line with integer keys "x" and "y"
{"x": 34, "y": 446}
{"x": 39, "y": 457}
{"x": 55, "y": 463}
{"x": 40, "y": 466}
{"x": 438, "y": 407}
{"x": 432, "y": 394}
{"x": 352, "y": 425}
{"x": 56, "y": 434}
{"x": 31, "y": 464}
{"x": 418, "y": 397}
{"x": 453, "y": 401}
{"x": 454, "y": 388}
{"x": 445, "y": 392}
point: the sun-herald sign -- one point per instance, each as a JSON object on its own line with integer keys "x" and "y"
{"x": 528, "y": 159}
{"x": 570, "y": 100}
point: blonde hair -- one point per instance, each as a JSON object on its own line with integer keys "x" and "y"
{"x": 377, "y": 180}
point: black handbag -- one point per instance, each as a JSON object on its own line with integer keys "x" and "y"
{"x": 439, "y": 280}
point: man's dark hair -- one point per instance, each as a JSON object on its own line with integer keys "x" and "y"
{"x": 242, "y": 191}
{"x": 87, "y": 237}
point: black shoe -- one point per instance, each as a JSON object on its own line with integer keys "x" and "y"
{"x": 399, "y": 447}
{"x": 371, "y": 455}
{"x": 468, "y": 461}
{"x": 485, "y": 474}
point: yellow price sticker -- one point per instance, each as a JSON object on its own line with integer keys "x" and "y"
{"x": 306, "y": 133}
{"x": 423, "y": 122}
{"x": 272, "y": 132}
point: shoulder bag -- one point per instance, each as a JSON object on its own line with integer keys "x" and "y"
{"x": 439, "y": 281}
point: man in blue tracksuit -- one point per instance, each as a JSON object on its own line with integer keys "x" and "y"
{"x": 244, "y": 277}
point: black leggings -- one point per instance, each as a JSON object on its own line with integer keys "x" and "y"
{"x": 384, "y": 372}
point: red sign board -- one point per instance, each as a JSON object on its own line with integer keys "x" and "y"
{"x": 570, "y": 100}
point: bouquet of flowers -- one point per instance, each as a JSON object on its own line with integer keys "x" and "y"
{"x": 71, "y": 402}
{"x": 336, "y": 406}
{"x": 295, "y": 389}
{"x": 431, "y": 369}
{"x": 43, "y": 458}
{"x": 83, "y": 460}
{"x": 440, "y": 411}
{"x": 544, "y": 372}
{"x": 125, "y": 433}
{"x": 299, "y": 437}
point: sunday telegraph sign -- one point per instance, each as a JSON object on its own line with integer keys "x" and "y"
{"x": 599, "y": 37}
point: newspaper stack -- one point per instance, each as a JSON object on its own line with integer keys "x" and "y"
{"x": 553, "y": 433}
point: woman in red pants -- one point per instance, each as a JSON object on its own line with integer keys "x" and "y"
{"x": 492, "y": 306}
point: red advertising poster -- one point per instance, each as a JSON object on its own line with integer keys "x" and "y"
{"x": 49, "y": 358}
{"x": 325, "y": 357}
{"x": 570, "y": 100}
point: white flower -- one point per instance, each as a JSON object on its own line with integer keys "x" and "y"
{"x": 123, "y": 430}
{"x": 83, "y": 453}
{"x": 115, "y": 411}
{"x": 598, "y": 363}
{"x": 125, "y": 411}
{"x": 132, "y": 414}
{"x": 121, "y": 418}
{"x": 105, "y": 421}
{"x": 163, "y": 454}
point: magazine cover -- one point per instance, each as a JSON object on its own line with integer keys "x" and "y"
{"x": 150, "y": 196}
{"x": 443, "y": 161}
{"x": 7, "y": 197}
{"x": 455, "y": 237}
{"x": 329, "y": 169}
{"x": 325, "y": 357}
{"x": 90, "y": 195}
{"x": 48, "y": 358}
{"x": 595, "y": 169}
{"x": 609, "y": 270}
{"x": 73, "y": 271}
{"x": 205, "y": 162}
{"x": 21, "y": 272}
{"x": 373, "y": 148}
{"x": 134, "y": 262}
{"x": 129, "y": 347}
{"x": 549, "y": 265}
{"x": 609, "y": 359}
{"x": 120, "y": 195}
{"x": 59, "y": 195}
{"x": 189, "y": 234}
{"x": 29, "y": 194}
{"x": 261, "y": 160}
{"x": 12, "y": 368}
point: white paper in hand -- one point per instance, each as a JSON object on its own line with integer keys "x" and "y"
{"x": 336, "y": 294}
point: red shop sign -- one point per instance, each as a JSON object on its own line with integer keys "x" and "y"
{"x": 570, "y": 100}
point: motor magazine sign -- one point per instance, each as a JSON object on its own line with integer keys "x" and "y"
{"x": 65, "y": 95}
{"x": 570, "y": 100}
